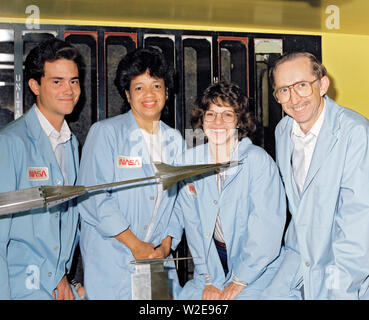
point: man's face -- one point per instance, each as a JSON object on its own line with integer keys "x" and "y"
{"x": 305, "y": 110}
{"x": 59, "y": 90}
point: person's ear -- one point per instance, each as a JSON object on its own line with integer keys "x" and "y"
{"x": 34, "y": 86}
{"x": 324, "y": 85}
{"x": 128, "y": 95}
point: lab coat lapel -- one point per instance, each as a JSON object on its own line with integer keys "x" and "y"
{"x": 326, "y": 140}
{"x": 147, "y": 171}
{"x": 71, "y": 156}
{"x": 146, "y": 160}
{"x": 42, "y": 143}
{"x": 239, "y": 154}
{"x": 209, "y": 189}
{"x": 284, "y": 161}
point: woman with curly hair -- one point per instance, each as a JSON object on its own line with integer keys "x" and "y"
{"x": 234, "y": 220}
{"x": 123, "y": 224}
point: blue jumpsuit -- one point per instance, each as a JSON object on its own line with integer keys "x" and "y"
{"x": 36, "y": 249}
{"x": 252, "y": 210}
{"x": 115, "y": 151}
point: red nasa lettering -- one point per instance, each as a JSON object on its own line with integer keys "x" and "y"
{"x": 129, "y": 162}
{"x": 38, "y": 173}
{"x": 191, "y": 190}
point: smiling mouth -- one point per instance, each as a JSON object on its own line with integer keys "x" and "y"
{"x": 66, "y": 100}
{"x": 148, "y": 104}
{"x": 218, "y": 132}
{"x": 300, "y": 107}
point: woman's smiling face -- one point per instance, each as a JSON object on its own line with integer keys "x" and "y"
{"x": 219, "y": 131}
{"x": 147, "y": 96}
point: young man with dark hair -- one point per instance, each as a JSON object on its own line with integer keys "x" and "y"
{"x": 36, "y": 247}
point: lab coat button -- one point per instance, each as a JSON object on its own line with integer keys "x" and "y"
{"x": 57, "y": 181}
{"x": 307, "y": 263}
{"x": 145, "y": 227}
{"x": 207, "y": 234}
{"x": 49, "y": 274}
{"x": 152, "y": 198}
{"x": 215, "y": 202}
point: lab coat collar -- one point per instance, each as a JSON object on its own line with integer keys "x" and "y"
{"x": 327, "y": 138}
{"x": 40, "y": 139}
{"x": 34, "y": 128}
{"x": 132, "y": 126}
{"x": 239, "y": 153}
{"x": 41, "y": 142}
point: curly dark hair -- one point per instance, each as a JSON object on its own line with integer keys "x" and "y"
{"x": 49, "y": 51}
{"x": 136, "y": 63}
{"x": 229, "y": 94}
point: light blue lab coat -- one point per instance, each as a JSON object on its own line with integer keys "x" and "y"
{"x": 107, "y": 268}
{"x": 36, "y": 249}
{"x": 327, "y": 241}
{"x": 252, "y": 210}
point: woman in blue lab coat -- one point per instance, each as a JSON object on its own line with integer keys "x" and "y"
{"x": 234, "y": 219}
{"x": 127, "y": 223}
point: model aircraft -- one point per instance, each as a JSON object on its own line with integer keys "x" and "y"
{"x": 48, "y": 196}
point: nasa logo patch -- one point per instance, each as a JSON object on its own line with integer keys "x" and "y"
{"x": 191, "y": 190}
{"x": 129, "y": 162}
{"x": 38, "y": 173}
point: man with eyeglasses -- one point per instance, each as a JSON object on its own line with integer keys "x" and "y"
{"x": 322, "y": 152}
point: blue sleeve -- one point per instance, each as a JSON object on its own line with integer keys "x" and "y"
{"x": 187, "y": 212}
{"x": 101, "y": 208}
{"x": 267, "y": 216}
{"x": 8, "y": 177}
{"x": 351, "y": 237}
{"x": 175, "y": 225}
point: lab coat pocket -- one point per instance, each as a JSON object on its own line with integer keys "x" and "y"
{"x": 25, "y": 269}
{"x": 324, "y": 206}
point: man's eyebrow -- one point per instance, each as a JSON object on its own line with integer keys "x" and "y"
{"x": 61, "y": 78}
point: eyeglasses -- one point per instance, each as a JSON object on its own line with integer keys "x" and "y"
{"x": 302, "y": 88}
{"x": 227, "y": 116}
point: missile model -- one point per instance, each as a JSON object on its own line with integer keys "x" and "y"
{"x": 48, "y": 196}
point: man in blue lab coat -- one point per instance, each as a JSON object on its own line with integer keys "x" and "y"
{"x": 36, "y": 247}
{"x": 323, "y": 156}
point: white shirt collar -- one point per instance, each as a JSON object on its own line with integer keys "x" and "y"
{"x": 315, "y": 129}
{"x": 55, "y": 137}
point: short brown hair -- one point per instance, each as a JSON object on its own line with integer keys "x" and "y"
{"x": 231, "y": 95}
{"x": 318, "y": 68}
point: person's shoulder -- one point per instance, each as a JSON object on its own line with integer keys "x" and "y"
{"x": 250, "y": 150}
{"x": 14, "y": 129}
{"x": 14, "y": 136}
{"x": 109, "y": 122}
{"x": 107, "y": 127}
{"x": 283, "y": 124}
{"x": 171, "y": 131}
{"x": 349, "y": 121}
